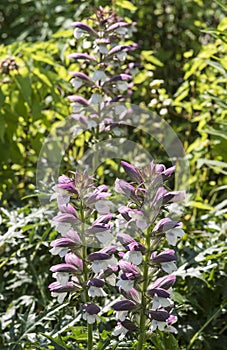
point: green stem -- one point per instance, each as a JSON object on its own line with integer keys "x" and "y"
{"x": 142, "y": 336}
{"x": 89, "y": 337}
{"x": 85, "y": 274}
{"x": 196, "y": 335}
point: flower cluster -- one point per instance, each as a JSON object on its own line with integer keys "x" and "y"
{"x": 142, "y": 275}
{"x": 103, "y": 80}
{"x": 113, "y": 242}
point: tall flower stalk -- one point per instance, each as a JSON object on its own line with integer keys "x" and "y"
{"x": 110, "y": 239}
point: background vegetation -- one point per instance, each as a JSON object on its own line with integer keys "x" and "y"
{"x": 183, "y": 77}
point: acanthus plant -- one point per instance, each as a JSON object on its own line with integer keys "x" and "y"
{"x": 110, "y": 249}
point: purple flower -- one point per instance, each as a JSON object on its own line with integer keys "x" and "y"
{"x": 170, "y": 321}
{"x": 96, "y": 282}
{"x": 101, "y": 261}
{"x": 160, "y": 292}
{"x": 163, "y": 282}
{"x": 65, "y": 216}
{"x": 95, "y": 289}
{"x": 72, "y": 264}
{"x": 124, "y": 239}
{"x": 132, "y": 172}
{"x": 101, "y": 192}
{"x": 134, "y": 254}
{"x": 121, "y": 48}
{"x": 123, "y": 327}
{"x": 63, "y": 242}
{"x": 81, "y": 56}
{"x": 127, "y": 267}
{"x": 159, "y": 315}
{"x": 81, "y": 28}
{"x": 61, "y": 245}
{"x": 124, "y": 305}
{"x": 128, "y": 190}
{"x": 80, "y": 78}
{"x": 116, "y": 26}
{"x": 168, "y": 172}
{"x": 131, "y": 294}
{"x": 167, "y": 260}
{"x": 130, "y": 274}
{"x": 73, "y": 259}
{"x": 78, "y": 99}
{"x": 64, "y": 268}
{"x": 64, "y": 220}
{"x": 109, "y": 250}
{"x": 100, "y": 228}
{"x": 165, "y": 225}
{"x": 136, "y": 247}
{"x": 166, "y": 256}
{"x": 56, "y": 287}
{"x": 98, "y": 256}
{"x": 67, "y": 184}
{"x": 101, "y": 224}
{"x": 90, "y": 311}
{"x": 60, "y": 291}
{"x": 116, "y": 78}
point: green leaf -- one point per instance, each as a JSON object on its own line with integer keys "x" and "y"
{"x": 2, "y": 128}
{"x": 215, "y": 132}
{"x": 217, "y": 66}
{"x": 200, "y": 205}
{"x": 215, "y": 164}
{"x": 58, "y": 342}
{"x": 42, "y": 76}
{"x": 2, "y": 98}
{"x": 220, "y": 3}
{"x": 125, "y": 4}
{"x": 149, "y": 57}
{"x": 25, "y": 86}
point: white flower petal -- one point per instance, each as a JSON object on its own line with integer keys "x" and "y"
{"x": 61, "y": 297}
{"x": 99, "y": 75}
{"x": 161, "y": 325}
{"x": 135, "y": 258}
{"x": 89, "y": 318}
{"x": 104, "y": 237}
{"x": 111, "y": 279}
{"x": 99, "y": 265}
{"x": 76, "y": 83}
{"x": 62, "y": 277}
{"x": 171, "y": 238}
{"x": 78, "y": 33}
{"x": 95, "y": 99}
{"x": 120, "y": 331}
{"x": 62, "y": 227}
{"x": 125, "y": 284}
{"x": 121, "y": 315}
{"x": 103, "y": 49}
{"x": 154, "y": 325}
{"x": 169, "y": 267}
{"x": 121, "y": 55}
{"x": 103, "y": 206}
{"x": 122, "y": 85}
{"x": 96, "y": 292}
{"x": 171, "y": 329}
